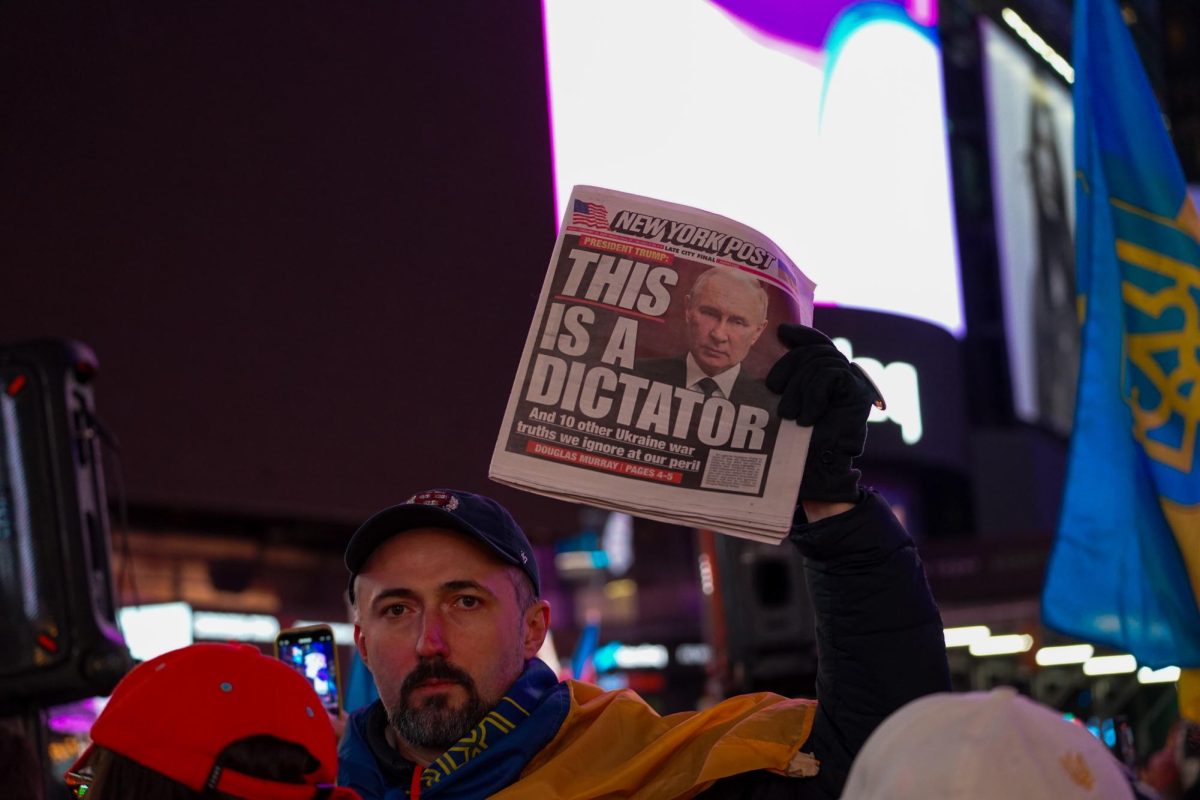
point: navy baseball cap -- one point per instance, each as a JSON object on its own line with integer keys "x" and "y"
{"x": 475, "y": 515}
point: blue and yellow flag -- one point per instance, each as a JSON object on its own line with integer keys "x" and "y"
{"x": 1125, "y": 570}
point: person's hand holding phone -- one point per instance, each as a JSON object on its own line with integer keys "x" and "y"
{"x": 312, "y": 652}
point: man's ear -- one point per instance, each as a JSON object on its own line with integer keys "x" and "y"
{"x": 537, "y": 626}
{"x": 360, "y": 644}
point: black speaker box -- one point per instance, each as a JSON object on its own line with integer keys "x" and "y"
{"x": 57, "y": 608}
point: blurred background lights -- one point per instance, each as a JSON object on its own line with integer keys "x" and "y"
{"x": 966, "y": 635}
{"x": 1065, "y": 654}
{"x": 1002, "y": 645}
{"x": 1109, "y": 665}
{"x": 1164, "y": 675}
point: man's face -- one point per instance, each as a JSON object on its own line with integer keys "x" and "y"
{"x": 440, "y": 627}
{"x": 725, "y": 317}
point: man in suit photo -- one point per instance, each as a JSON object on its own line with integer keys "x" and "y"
{"x": 725, "y": 313}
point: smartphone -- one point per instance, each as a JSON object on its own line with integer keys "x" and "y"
{"x": 312, "y": 652}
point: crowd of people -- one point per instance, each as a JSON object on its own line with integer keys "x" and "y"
{"x": 449, "y": 617}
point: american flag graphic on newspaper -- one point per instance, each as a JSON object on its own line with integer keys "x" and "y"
{"x": 590, "y": 215}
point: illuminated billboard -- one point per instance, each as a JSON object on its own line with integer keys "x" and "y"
{"x": 821, "y": 124}
{"x": 1030, "y": 124}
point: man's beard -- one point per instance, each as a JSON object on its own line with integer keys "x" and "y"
{"x": 433, "y": 723}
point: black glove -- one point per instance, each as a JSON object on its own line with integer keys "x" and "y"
{"x": 820, "y": 388}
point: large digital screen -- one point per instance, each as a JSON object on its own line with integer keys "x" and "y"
{"x": 820, "y": 123}
{"x": 1030, "y": 123}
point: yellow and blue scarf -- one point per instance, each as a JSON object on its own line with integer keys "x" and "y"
{"x": 572, "y": 739}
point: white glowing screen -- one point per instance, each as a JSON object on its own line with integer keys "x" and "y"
{"x": 151, "y": 630}
{"x": 836, "y": 149}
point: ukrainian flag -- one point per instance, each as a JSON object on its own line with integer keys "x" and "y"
{"x": 1125, "y": 570}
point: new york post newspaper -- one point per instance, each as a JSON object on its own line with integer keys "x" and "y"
{"x": 640, "y": 388}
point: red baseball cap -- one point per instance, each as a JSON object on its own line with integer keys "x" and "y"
{"x": 175, "y": 713}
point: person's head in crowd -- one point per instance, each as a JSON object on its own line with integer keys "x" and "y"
{"x": 984, "y": 746}
{"x": 726, "y": 312}
{"x": 1161, "y": 770}
{"x": 1174, "y": 769}
{"x": 447, "y": 612}
{"x": 211, "y": 721}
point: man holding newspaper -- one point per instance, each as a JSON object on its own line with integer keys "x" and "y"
{"x": 448, "y": 618}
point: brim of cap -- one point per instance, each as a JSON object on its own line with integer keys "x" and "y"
{"x": 82, "y": 761}
{"x": 397, "y": 519}
{"x": 264, "y": 787}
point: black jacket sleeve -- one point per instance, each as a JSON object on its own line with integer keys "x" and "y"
{"x": 879, "y": 633}
{"x": 879, "y": 642}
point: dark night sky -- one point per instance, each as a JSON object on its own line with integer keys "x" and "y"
{"x": 252, "y": 213}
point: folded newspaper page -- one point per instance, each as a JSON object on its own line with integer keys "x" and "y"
{"x": 640, "y": 388}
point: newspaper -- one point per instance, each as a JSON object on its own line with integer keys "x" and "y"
{"x": 640, "y": 388}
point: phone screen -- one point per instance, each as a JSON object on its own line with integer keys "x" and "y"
{"x": 312, "y": 652}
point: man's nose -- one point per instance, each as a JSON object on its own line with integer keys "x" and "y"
{"x": 432, "y": 640}
{"x": 720, "y": 331}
